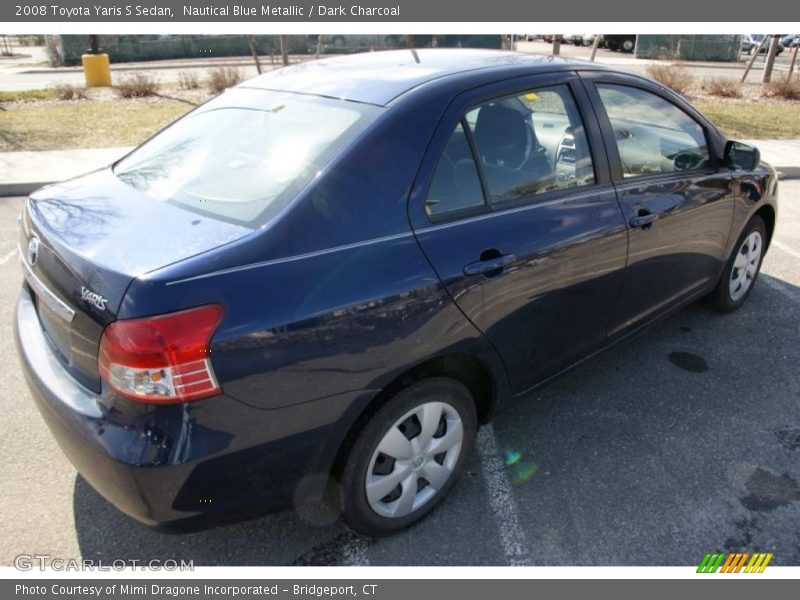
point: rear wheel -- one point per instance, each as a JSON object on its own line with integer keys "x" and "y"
{"x": 742, "y": 269}
{"x": 408, "y": 456}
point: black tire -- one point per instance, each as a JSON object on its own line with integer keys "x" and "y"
{"x": 721, "y": 299}
{"x": 356, "y": 509}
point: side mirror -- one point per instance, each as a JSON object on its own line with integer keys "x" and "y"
{"x": 741, "y": 157}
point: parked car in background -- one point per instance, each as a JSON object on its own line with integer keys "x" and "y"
{"x": 573, "y": 38}
{"x": 623, "y": 43}
{"x": 588, "y": 39}
{"x": 751, "y": 41}
{"x": 791, "y": 40}
{"x": 578, "y": 39}
{"x": 328, "y": 277}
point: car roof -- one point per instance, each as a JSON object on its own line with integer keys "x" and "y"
{"x": 380, "y": 77}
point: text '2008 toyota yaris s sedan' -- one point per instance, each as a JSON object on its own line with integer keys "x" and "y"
{"x": 329, "y": 276}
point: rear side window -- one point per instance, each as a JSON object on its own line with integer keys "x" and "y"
{"x": 526, "y": 144}
{"x": 243, "y": 164}
{"x": 456, "y": 185}
{"x": 652, "y": 134}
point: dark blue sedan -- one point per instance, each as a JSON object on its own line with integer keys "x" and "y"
{"x": 325, "y": 279}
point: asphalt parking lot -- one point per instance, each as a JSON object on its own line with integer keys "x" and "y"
{"x": 683, "y": 441}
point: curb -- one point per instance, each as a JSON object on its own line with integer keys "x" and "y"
{"x": 785, "y": 173}
{"x": 21, "y": 188}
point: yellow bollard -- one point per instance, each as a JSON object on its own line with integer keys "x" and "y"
{"x": 96, "y": 70}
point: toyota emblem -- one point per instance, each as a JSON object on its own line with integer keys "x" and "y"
{"x": 33, "y": 251}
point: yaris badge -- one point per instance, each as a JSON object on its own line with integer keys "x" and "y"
{"x": 96, "y": 300}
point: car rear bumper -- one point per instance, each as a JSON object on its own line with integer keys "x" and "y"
{"x": 161, "y": 464}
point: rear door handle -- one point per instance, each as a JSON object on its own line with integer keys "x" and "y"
{"x": 487, "y": 266}
{"x": 644, "y": 220}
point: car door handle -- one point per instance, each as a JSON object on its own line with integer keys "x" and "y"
{"x": 496, "y": 263}
{"x": 644, "y": 220}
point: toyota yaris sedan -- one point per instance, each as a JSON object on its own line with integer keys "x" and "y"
{"x": 327, "y": 278}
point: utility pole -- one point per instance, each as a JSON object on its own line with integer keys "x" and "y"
{"x": 770, "y": 62}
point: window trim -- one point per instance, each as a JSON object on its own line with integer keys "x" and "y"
{"x": 461, "y": 212}
{"x": 615, "y": 161}
{"x": 570, "y": 82}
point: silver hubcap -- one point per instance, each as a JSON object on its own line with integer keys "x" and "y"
{"x": 745, "y": 266}
{"x": 414, "y": 459}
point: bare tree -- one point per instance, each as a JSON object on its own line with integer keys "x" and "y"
{"x": 319, "y": 46}
{"x": 284, "y": 50}
{"x": 595, "y": 45}
{"x": 556, "y": 44}
{"x": 251, "y": 41}
{"x": 770, "y": 61}
{"x": 753, "y": 59}
{"x": 794, "y": 60}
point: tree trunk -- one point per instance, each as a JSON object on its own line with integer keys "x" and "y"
{"x": 753, "y": 58}
{"x": 770, "y": 62}
{"x": 251, "y": 41}
{"x": 409, "y": 41}
{"x": 556, "y": 44}
{"x": 791, "y": 65}
{"x": 284, "y": 50}
{"x": 595, "y": 45}
{"x": 319, "y": 46}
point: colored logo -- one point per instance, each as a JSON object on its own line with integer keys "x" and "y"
{"x": 734, "y": 562}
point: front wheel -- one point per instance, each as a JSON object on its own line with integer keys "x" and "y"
{"x": 408, "y": 456}
{"x": 742, "y": 269}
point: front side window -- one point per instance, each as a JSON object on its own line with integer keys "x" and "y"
{"x": 243, "y": 162}
{"x": 652, "y": 134}
{"x": 531, "y": 143}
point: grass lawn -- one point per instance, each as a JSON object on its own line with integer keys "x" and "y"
{"x": 27, "y": 95}
{"x": 40, "y": 123}
{"x": 83, "y": 124}
{"x": 754, "y": 120}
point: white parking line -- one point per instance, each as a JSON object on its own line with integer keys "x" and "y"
{"x": 501, "y": 500}
{"x": 8, "y": 256}
{"x": 786, "y": 248}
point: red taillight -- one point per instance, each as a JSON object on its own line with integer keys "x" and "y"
{"x": 162, "y": 359}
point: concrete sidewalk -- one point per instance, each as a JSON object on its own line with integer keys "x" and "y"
{"x": 23, "y": 172}
{"x": 784, "y": 155}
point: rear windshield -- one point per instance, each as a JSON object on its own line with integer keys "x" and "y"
{"x": 243, "y": 163}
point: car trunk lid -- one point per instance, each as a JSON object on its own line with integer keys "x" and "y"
{"x": 83, "y": 242}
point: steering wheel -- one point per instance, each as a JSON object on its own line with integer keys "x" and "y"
{"x": 513, "y": 149}
{"x": 686, "y": 161}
